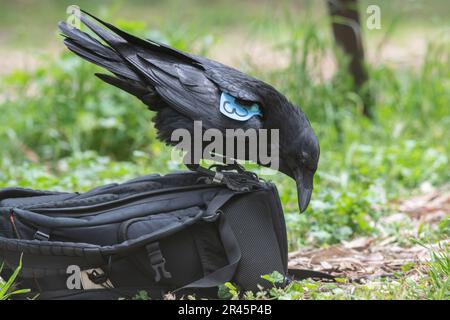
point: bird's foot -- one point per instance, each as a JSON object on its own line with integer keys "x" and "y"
{"x": 234, "y": 176}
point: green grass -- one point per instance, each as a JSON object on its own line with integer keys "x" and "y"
{"x": 53, "y": 118}
{"x": 7, "y": 286}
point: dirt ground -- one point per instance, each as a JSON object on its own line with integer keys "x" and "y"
{"x": 374, "y": 257}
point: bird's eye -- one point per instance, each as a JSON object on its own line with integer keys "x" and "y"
{"x": 305, "y": 157}
{"x": 307, "y": 161}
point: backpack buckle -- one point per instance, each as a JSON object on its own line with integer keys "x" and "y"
{"x": 41, "y": 236}
{"x": 97, "y": 277}
{"x": 157, "y": 262}
{"x": 218, "y": 177}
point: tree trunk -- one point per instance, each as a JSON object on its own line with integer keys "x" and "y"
{"x": 347, "y": 33}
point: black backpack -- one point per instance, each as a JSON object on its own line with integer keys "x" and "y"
{"x": 184, "y": 232}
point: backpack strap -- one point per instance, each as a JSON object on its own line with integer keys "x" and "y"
{"x": 15, "y": 192}
{"x": 302, "y": 274}
{"x": 227, "y": 272}
{"x": 48, "y": 257}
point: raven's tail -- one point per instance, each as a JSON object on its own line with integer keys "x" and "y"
{"x": 105, "y": 55}
{"x": 120, "y": 54}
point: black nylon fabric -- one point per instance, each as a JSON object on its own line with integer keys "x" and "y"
{"x": 204, "y": 234}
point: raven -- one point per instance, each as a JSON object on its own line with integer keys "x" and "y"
{"x": 182, "y": 88}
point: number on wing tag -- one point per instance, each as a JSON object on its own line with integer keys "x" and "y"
{"x": 232, "y": 109}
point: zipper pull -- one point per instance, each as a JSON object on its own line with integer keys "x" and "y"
{"x": 13, "y": 224}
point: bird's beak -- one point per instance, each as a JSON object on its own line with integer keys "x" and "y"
{"x": 304, "y": 179}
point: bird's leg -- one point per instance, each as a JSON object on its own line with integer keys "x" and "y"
{"x": 228, "y": 163}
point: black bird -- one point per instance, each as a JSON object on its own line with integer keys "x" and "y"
{"x": 182, "y": 88}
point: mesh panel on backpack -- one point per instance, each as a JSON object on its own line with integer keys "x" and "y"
{"x": 251, "y": 220}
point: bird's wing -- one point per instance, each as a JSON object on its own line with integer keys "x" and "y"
{"x": 227, "y": 79}
{"x": 237, "y": 83}
{"x": 180, "y": 79}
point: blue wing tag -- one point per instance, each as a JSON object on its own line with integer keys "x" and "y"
{"x": 230, "y": 108}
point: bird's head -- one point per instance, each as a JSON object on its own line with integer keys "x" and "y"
{"x": 299, "y": 154}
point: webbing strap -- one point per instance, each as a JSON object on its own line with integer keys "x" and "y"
{"x": 227, "y": 272}
{"x": 44, "y": 258}
{"x": 302, "y": 274}
{"x": 212, "y": 211}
